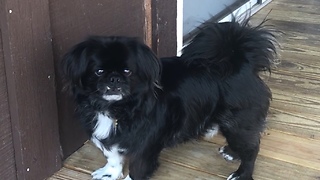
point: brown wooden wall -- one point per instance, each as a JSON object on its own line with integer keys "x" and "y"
{"x": 7, "y": 167}
{"x": 164, "y": 27}
{"x": 38, "y": 129}
{"x": 30, "y": 79}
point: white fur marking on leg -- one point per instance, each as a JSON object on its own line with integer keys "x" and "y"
{"x": 113, "y": 169}
{"x": 212, "y": 132}
{"x": 103, "y": 126}
{"x": 225, "y": 155}
{"x": 232, "y": 178}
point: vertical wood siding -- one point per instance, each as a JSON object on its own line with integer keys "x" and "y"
{"x": 31, "y": 87}
{"x": 7, "y": 168}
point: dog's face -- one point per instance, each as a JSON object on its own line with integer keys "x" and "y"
{"x": 110, "y": 72}
{"x": 111, "y": 67}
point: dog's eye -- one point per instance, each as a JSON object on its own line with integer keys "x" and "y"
{"x": 99, "y": 72}
{"x": 127, "y": 72}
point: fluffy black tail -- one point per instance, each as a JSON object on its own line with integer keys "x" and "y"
{"x": 228, "y": 47}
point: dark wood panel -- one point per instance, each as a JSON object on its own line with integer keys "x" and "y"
{"x": 164, "y": 27}
{"x": 31, "y": 87}
{"x": 74, "y": 20}
{"x": 7, "y": 170}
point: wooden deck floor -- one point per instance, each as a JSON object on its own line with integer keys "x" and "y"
{"x": 290, "y": 147}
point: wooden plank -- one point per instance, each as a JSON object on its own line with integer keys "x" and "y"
{"x": 295, "y": 82}
{"x": 282, "y": 156}
{"x": 68, "y": 174}
{"x": 25, "y": 30}
{"x": 296, "y": 97}
{"x": 7, "y": 170}
{"x": 292, "y": 149}
{"x": 287, "y": 148}
{"x": 204, "y": 157}
{"x": 298, "y": 63}
{"x": 286, "y": 14}
{"x": 301, "y": 49}
{"x": 165, "y": 172}
{"x": 148, "y": 22}
{"x": 164, "y": 27}
{"x": 294, "y": 118}
{"x": 89, "y": 158}
{"x": 307, "y": 41}
{"x": 301, "y": 3}
{"x": 173, "y": 171}
{"x": 307, "y": 6}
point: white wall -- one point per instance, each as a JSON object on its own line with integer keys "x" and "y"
{"x": 197, "y": 11}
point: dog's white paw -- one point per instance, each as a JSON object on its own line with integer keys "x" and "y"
{"x": 127, "y": 177}
{"x": 214, "y": 130}
{"x": 108, "y": 172}
{"x": 233, "y": 177}
{"x": 225, "y": 155}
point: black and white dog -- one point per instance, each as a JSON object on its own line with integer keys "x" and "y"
{"x": 133, "y": 104}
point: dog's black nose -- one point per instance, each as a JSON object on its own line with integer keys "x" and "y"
{"x": 115, "y": 79}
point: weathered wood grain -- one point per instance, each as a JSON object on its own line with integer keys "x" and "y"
{"x": 204, "y": 157}
{"x": 286, "y": 147}
{"x": 299, "y": 2}
{"x": 277, "y": 160}
{"x": 295, "y": 82}
{"x": 7, "y": 169}
{"x": 296, "y": 98}
{"x": 164, "y": 28}
{"x": 29, "y": 68}
{"x": 88, "y": 158}
{"x": 68, "y": 174}
{"x": 288, "y": 15}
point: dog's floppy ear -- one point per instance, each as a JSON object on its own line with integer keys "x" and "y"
{"x": 75, "y": 63}
{"x": 149, "y": 65}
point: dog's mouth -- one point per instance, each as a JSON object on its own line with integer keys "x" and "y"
{"x": 112, "y": 97}
{"x": 112, "y": 94}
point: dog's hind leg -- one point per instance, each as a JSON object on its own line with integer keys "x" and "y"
{"x": 244, "y": 144}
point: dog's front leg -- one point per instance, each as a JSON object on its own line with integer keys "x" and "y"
{"x": 142, "y": 167}
{"x": 113, "y": 168}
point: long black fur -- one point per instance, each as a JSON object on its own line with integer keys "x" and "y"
{"x": 172, "y": 100}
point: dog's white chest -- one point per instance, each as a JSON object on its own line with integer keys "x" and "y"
{"x": 103, "y": 126}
